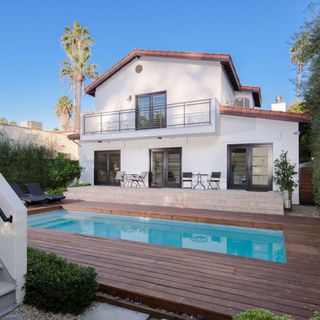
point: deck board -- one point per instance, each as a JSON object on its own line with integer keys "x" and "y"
{"x": 215, "y": 285}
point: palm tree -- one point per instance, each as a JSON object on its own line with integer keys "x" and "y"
{"x": 299, "y": 56}
{"x": 77, "y": 44}
{"x": 64, "y": 111}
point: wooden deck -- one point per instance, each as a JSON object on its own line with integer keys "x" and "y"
{"x": 212, "y": 284}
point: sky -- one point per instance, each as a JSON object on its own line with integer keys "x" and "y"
{"x": 256, "y": 33}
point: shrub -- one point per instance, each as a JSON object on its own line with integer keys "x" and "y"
{"x": 316, "y": 316}
{"x": 63, "y": 171}
{"x": 55, "y": 285}
{"x": 56, "y": 190}
{"x": 80, "y": 184}
{"x": 25, "y": 161}
{"x": 284, "y": 172}
{"x": 259, "y": 314}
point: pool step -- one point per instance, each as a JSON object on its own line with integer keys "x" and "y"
{"x": 7, "y": 291}
{"x": 222, "y": 200}
{"x": 7, "y": 297}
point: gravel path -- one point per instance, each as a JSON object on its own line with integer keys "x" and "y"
{"x": 25, "y": 312}
{"x": 305, "y": 211}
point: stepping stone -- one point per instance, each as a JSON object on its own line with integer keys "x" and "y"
{"x": 109, "y": 312}
{"x": 11, "y": 317}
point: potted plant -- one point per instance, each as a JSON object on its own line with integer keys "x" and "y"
{"x": 284, "y": 172}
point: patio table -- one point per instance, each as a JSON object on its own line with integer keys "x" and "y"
{"x": 199, "y": 180}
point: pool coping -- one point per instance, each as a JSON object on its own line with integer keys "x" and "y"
{"x": 168, "y": 213}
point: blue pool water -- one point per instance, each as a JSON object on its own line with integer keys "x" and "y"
{"x": 246, "y": 242}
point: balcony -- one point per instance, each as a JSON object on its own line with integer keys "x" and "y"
{"x": 177, "y": 118}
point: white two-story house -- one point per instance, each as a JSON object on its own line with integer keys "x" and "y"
{"x": 171, "y": 112}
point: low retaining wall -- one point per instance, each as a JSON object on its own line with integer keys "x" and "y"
{"x": 222, "y": 200}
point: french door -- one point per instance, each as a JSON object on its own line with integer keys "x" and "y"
{"x": 151, "y": 111}
{"x": 106, "y": 165}
{"x": 250, "y": 167}
{"x": 165, "y": 167}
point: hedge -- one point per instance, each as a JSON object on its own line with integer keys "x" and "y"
{"x": 263, "y": 314}
{"x": 27, "y": 161}
{"x": 55, "y": 285}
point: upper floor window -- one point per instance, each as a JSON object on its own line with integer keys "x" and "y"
{"x": 242, "y": 102}
{"x": 151, "y": 111}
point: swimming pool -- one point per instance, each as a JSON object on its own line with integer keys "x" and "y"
{"x": 254, "y": 243}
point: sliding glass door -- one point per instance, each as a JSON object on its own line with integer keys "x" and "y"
{"x": 250, "y": 167}
{"x": 165, "y": 167}
{"x": 106, "y": 165}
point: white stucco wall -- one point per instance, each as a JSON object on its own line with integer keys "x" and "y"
{"x": 13, "y": 236}
{"x": 183, "y": 80}
{"x": 201, "y": 153}
{"x": 227, "y": 93}
{"x": 58, "y": 141}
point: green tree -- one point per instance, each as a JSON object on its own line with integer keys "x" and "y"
{"x": 311, "y": 88}
{"x": 300, "y": 56}
{"x": 299, "y": 107}
{"x": 13, "y": 123}
{"x": 64, "y": 111}
{"x": 3, "y": 121}
{"x": 76, "y": 68}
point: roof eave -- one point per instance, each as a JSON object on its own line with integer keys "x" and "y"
{"x": 225, "y": 60}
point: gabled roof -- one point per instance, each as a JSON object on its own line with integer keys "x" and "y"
{"x": 265, "y": 114}
{"x": 225, "y": 60}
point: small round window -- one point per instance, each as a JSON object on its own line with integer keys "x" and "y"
{"x": 139, "y": 68}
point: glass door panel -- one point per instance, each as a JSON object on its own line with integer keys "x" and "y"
{"x": 159, "y": 110}
{"x": 250, "y": 167}
{"x": 114, "y": 167}
{"x": 174, "y": 168}
{"x": 100, "y": 167}
{"x": 165, "y": 167}
{"x": 238, "y": 166}
{"x": 143, "y": 110}
{"x": 157, "y": 168}
{"x": 260, "y": 166}
{"x": 106, "y": 165}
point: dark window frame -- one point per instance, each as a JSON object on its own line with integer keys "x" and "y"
{"x": 165, "y": 160}
{"x": 107, "y": 166}
{"x": 151, "y": 110}
{"x": 249, "y": 186}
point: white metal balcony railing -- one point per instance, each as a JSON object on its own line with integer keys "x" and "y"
{"x": 175, "y": 115}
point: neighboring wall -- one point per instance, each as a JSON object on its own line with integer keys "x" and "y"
{"x": 13, "y": 236}
{"x": 202, "y": 153}
{"x": 58, "y": 141}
